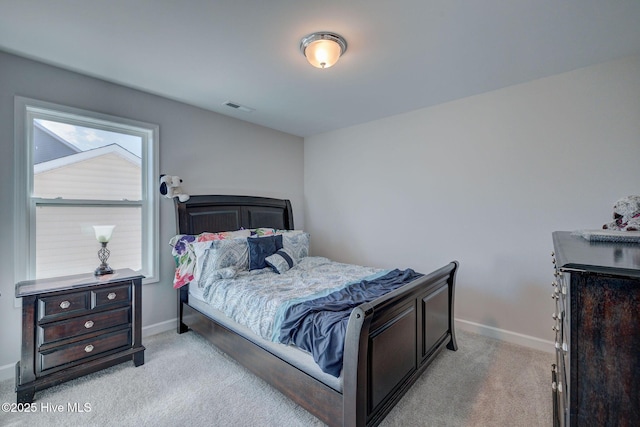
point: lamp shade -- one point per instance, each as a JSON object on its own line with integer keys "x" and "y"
{"x": 103, "y": 232}
{"x": 323, "y": 50}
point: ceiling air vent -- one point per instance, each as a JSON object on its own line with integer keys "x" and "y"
{"x": 237, "y": 106}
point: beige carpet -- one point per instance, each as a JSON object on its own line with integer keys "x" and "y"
{"x": 187, "y": 382}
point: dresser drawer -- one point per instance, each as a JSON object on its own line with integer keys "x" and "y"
{"x": 62, "y": 306}
{"x": 111, "y": 296}
{"x": 83, "y": 349}
{"x": 60, "y": 330}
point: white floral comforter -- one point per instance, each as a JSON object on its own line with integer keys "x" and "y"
{"x": 258, "y": 299}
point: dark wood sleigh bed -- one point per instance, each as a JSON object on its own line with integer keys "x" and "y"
{"x": 388, "y": 345}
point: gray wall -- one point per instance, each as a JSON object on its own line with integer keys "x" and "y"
{"x": 484, "y": 180}
{"x": 214, "y": 154}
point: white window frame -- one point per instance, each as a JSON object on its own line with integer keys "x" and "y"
{"x": 25, "y": 111}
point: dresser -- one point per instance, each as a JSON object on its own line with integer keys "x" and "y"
{"x": 596, "y": 375}
{"x": 76, "y": 325}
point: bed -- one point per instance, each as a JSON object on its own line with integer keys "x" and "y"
{"x": 389, "y": 342}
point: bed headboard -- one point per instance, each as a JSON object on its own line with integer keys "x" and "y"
{"x": 228, "y": 213}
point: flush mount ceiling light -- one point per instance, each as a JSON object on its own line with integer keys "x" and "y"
{"x": 323, "y": 49}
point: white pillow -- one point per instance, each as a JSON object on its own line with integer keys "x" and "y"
{"x": 281, "y": 261}
{"x": 226, "y": 253}
{"x": 297, "y": 243}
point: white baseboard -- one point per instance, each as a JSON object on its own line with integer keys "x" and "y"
{"x": 158, "y": 328}
{"x": 8, "y": 371}
{"x": 507, "y": 336}
{"x": 466, "y": 325}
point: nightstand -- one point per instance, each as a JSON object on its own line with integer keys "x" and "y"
{"x": 76, "y": 325}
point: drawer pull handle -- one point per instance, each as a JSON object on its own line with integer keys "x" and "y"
{"x": 112, "y": 295}
{"x": 65, "y": 304}
{"x": 88, "y": 348}
{"x": 88, "y": 324}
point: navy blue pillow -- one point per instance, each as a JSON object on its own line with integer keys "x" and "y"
{"x": 262, "y": 247}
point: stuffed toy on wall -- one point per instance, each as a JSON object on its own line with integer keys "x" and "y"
{"x": 170, "y": 187}
{"x": 626, "y": 215}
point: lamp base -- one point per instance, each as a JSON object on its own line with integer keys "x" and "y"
{"x": 103, "y": 256}
{"x": 103, "y": 269}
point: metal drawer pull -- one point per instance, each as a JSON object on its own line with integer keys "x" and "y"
{"x": 65, "y": 304}
{"x": 88, "y": 348}
{"x": 88, "y": 324}
{"x": 112, "y": 295}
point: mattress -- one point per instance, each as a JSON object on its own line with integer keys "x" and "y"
{"x": 292, "y": 355}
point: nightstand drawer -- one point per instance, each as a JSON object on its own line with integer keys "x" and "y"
{"x": 56, "y": 331}
{"x": 82, "y": 349}
{"x": 113, "y": 295}
{"x": 61, "y": 306}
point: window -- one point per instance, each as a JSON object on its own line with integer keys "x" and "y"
{"x": 76, "y": 169}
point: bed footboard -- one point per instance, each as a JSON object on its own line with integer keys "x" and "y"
{"x": 392, "y": 340}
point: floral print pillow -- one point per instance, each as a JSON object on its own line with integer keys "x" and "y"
{"x": 186, "y": 248}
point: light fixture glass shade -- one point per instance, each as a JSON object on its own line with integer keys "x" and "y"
{"x": 323, "y": 49}
{"x": 323, "y": 53}
{"x": 103, "y": 232}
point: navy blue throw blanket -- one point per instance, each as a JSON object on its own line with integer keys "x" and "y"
{"x": 320, "y": 325}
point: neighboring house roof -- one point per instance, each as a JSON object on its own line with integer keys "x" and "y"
{"x": 86, "y": 155}
{"x": 51, "y": 151}
{"x": 49, "y": 146}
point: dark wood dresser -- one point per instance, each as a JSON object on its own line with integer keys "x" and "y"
{"x": 76, "y": 325}
{"x": 596, "y": 377}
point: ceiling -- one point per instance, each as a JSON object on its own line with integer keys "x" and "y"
{"x": 402, "y": 55}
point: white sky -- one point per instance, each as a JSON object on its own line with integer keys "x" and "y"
{"x": 89, "y": 138}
